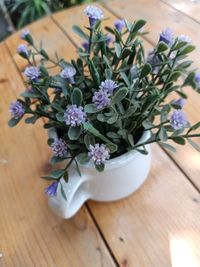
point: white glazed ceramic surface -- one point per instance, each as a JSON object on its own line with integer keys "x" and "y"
{"x": 122, "y": 176}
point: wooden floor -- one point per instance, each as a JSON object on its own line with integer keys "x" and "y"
{"x": 158, "y": 226}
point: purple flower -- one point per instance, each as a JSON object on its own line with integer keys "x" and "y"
{"x": 184, "y": 38}
{"x": 24, "y": 34}
{"x": 180, "y": 102}
{"x": 109, "y": 39}
{"x": 68, "y": 73}
{"x": 74, "y": 115}
{"x": 32, "y": 73}
{"x": 166, "y": 36}
{"x": 197, "y": 79}
{"x": 178, "y": 119}
{"x": 101, "y": 99}
{"x": 108, "y": 86}
{"x": 119, "y": 24}
{"x": 59, "y": 148}
{"x": 22, "y": 49}
{"x": 16, "y": 110}
{"x": 99, "y": 153}
{"x": 153, "y": 60}
{"x": 85, "y": 45}
{"x": 93, "y": 13}
{"x": 51, "y": 190}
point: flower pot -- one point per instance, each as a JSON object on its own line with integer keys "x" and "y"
{"x": 122, "y": 176}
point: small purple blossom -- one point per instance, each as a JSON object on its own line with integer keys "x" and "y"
{"x": 184, "y": 38}
{"x": 93, "y": 13}
{"x": 22, "y": 49}
{"x": 180, "y": 102}
{"x": 99, "y": 153}
{"x": 24, "y": 34}
{"x": 166, "y": 36}
{"x": 197, "y": 79}
{"x": 101, "y": 99}
{"x": 68, "y": 73}
{"x": 108, "y": 86}
{"x": 74, "y": 115}
{"x": 16, "y": 109}
{"x": 59, "y": 148}
{"x": 178, "y": 119}
{"x": 32, "y": 73}
{"x": 51, "y": 190}
{"x": 85, "y": 45}
{"x": 119, "y": 24}
{"x": 109, "y": 39}
{"x": 153, "y": 60}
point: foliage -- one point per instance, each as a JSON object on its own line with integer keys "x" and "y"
{"x": 27, "y": 11}
{"x": 138, "y": 103}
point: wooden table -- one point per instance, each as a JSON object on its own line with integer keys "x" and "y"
{"x": 158, "y": 226}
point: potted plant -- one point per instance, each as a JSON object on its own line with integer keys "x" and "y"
{"x": 104, "y": 109}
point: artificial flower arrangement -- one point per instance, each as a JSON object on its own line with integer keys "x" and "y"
{"x": 101, "y": 103}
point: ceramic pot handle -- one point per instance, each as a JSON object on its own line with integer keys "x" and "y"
{"x": 77, "y": 191}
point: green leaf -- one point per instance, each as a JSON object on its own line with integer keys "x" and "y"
{"x": 90, "y": 128}
{"x": 80, "y": 32}
{"x": 162, "y": 47}
{"x": 108, "y": 74}
{"x": 174, "y": 76}
{"x": 50, "y": 141}
{"x": 113, "y": 135}
{"x": 12, "y": 122}
{"x": 119, "y": 95}
{"x": 60, "y": 116}
{"x": 125, "y": 78}
{"x": 131, "y": 140}
{"x": 76, "y": 97}
{"x": 91, "y": 108}
{"x": 112, "y": 147}
{"x": 194, "y": 127}
{"x": 74, "y": 132}
{"x": 189, "y": 79}
{"x": 32, "y": 119}
{"x": 138, "y": 25}
{"x": 118, "y": 49}
{"x": 63, "y": 192}
{"x": 44, "y": 54}
{"x": 145, "y": 70}
{"x": 179, "y": 140}
{"x": 186, "y": 50}
{"x": 100, "y": 167}
{"x": 94, "y": 73}
{"x": 55, "y": 160}
{"x": 83, "y": 158}
{"x": 168, "y": 147}
{"x": 125, "y": 53}
{"x": 54, "y": 175}
{"x": 163, "y": 134}
{"x": 195, "y": 145}
{"x": 66, "y": 176}
{"x": 89, "y": 140}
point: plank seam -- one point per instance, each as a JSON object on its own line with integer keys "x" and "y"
{"x": 180, "y": 11}
{"x": 102, "y": 235}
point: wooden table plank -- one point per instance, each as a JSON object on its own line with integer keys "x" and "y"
{"x": 30, "y": 234}
{"x": 47, "y": 31}
{"x": 157, "y": 226}
{"x": 148, "y": 229}
{"x": 188, "y": 7}
{"x": 186, "y": 157}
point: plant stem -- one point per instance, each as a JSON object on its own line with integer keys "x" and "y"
{"x": 169, "y": 138}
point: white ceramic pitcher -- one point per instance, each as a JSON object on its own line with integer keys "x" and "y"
{"x": 122, "y": 176}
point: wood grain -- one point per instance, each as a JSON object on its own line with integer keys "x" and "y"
{"x": 188, "y": 7}
{"x": 186, "y": 157}
{"x": 30, "y": 234}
